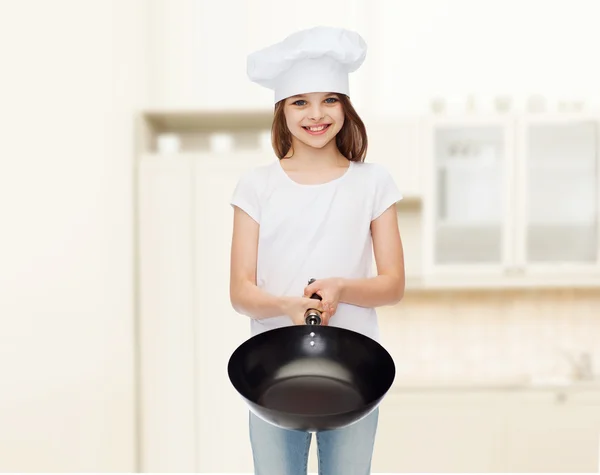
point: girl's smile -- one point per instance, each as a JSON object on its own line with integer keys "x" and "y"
{"x": 316, "y": 129}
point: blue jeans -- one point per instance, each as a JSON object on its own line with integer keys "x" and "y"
{"x": 346, "y": 451}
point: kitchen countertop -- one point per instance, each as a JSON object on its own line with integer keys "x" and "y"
{"x": 508, "y": 383}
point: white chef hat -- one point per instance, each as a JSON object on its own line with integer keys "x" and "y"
{"x": 314, "y": 60}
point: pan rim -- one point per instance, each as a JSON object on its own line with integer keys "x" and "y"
{"x": 327, "y": 414}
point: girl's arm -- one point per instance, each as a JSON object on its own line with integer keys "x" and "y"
{"x": 387, "y": 288}
{"x": 246, "y": 298}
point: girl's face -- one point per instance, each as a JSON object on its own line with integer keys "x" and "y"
{"x": 315, "y": 118}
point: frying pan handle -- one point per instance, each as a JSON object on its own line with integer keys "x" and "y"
{"x": 312, "y": 315}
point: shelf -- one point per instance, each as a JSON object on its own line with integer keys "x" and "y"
{"x": 500, "y": 283}
{"x": 479, "y": 119}
{"x": 193, "y": 120}
{"x": 195, "y": 131}
{"x": 518, "y": 383}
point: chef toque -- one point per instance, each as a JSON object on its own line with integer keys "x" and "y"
{"x": 314, "y": 60}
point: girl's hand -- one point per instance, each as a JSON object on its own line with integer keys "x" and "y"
{"x": 296, "y": 307}
{"x": 329, "y": 290}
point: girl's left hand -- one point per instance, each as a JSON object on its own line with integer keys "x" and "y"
{"x": 329, "y": 290}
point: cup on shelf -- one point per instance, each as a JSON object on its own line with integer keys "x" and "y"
{"x": 168, "y": 143}
{"x": 571, "y": 106}
{"x": 471, "y": 104}
{"x": 221, "y": 142}
{"x": 503, "y": 104}
{"x": 536, "y": 104}
{"x": 578, "y": 106}
{"x": 438, "y": 105}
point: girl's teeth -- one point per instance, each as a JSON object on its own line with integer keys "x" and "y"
{"x": 316, "y": 129}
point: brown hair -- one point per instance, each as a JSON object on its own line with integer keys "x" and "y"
{"x": 351, "y": 140}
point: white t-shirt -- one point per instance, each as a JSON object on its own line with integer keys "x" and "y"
{"x": 315, "y": 231}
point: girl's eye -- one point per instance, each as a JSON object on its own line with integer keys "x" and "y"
{"x": 329, "y": 100}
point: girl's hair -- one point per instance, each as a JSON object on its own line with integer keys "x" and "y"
{"x": 351, "y": 140}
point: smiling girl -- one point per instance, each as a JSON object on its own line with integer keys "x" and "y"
{"x": 318, "y": 211}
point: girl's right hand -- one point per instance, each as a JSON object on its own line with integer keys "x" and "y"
{"x": 296, "y": 307}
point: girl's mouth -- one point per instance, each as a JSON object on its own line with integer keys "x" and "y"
{"x": 317, "y": 130}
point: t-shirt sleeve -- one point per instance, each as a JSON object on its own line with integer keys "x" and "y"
{"x": 245, "y": 195}
{"x": 386, "y": 191}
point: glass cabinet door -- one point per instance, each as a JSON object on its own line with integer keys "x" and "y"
{"x": 469, "y": 213}
{"x": 559, "y": 223}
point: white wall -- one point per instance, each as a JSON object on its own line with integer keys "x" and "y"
{"x": 71, "y": 79}
{"x": 454, "y": 48}
{"x": 417, "y": 50}
{"x": 199, "y": 47}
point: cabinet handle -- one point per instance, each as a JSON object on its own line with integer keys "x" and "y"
{"x": 561, "y": 397}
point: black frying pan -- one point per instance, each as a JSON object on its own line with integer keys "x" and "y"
{"x": 311, "y": 377}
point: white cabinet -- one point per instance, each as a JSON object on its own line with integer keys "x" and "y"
{"x": 191, "y": 416}
{"x": 438, "y": 431}
{"x": 221, "y": 416}
{"x": 467, "y": 205}
{"x": 166, "y": 313}
{"x": 484, "y": 430}
{"x": 516, "y": 198}
{"x": 553, "y": 431}
{"x": 558, "y": 187}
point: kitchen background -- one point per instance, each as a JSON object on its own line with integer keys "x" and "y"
{"x": 125, "y": 126}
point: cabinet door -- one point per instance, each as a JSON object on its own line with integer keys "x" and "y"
{"x": 221, "y": 414}
{"x": 549, "y": 432}
{"x": 166, "y": 314}
{"x": 192, "y": 418}
{"x": 467, "y": 199}
{"x": 558, "y": 201}
{"x": 438, "y": 431}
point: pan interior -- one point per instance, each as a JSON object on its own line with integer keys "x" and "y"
{"x": 311, "y": 395}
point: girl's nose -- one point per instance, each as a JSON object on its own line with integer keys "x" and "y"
{"x": 316, "y": 113}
